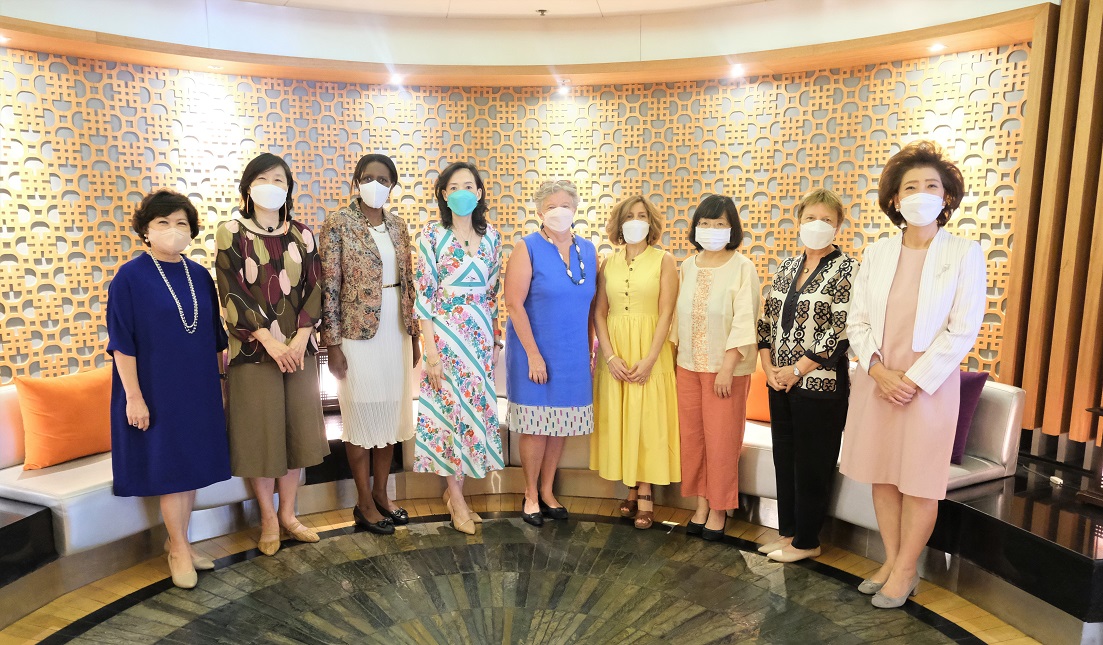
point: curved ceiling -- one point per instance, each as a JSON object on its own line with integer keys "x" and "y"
{"x": 507, "y": 8}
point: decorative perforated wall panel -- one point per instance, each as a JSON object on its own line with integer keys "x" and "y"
{"x": 83, "y": 140}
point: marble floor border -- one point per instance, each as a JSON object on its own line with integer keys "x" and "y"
{"x": 97, "y": 602}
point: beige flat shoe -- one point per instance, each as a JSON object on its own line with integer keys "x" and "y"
{"x": 779, "y": 543}
{"x": 198, "y": 562}
{"x": 268, "y": 544}
{"x": 461, "y": 524}
{"x": 183, "y": 574}
{"x": 301, "y": 533}
{"x": 792, "y": 554}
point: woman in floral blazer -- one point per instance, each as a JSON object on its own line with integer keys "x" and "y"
{"x": 369, "y": 328}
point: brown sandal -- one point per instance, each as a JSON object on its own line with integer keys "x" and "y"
{"x": 644, "y": 519}
{"x": 629, "y": 507}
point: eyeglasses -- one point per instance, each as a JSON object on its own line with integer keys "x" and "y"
{"x": 558, "y": 182}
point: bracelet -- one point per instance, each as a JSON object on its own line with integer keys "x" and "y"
{"x": 426, "y": 359}
{"x": 611, "y": 357}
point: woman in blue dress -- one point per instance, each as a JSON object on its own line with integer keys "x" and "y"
{"x": 168, "y": 430}
{"x": 549, "y": 290}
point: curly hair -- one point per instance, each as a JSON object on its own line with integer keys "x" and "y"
{"x": 162, "y": 203}
{"x": 919, "y": 154}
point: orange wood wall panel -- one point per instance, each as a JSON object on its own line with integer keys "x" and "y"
{"x": 1051, "y": 221}
{"x": 82, "y": 140}
{"x": 1080, "y": 216}
{"x": 1043, "y": 55}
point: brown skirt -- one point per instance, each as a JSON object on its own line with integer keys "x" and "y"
{"x": 274, "y": 419}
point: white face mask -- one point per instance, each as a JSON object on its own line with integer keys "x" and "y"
{"x": 268, "y": 196}
{"x": 171, "y": 241}
{"x": 921, "y": 209}
{"x": 816, "y": 234}
{"x": 559, "y": 219}
{"x": 713, "y": 239}
{"x": 635, "y": 231}
{"x": 374, "y": 194}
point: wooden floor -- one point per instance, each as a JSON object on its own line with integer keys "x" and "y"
{"x": 92, "y": 597}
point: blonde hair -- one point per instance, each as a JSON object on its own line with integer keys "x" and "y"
{"x": 828, "y": 198}
{"x": 549, "y": 188}
{"x": 620, "y": 213}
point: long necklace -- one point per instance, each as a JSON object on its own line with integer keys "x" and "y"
{"x": 578, "y": 253}
{"x": 191, "y": 287}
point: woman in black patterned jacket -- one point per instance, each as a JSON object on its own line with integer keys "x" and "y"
{"x": 802, "y": 343}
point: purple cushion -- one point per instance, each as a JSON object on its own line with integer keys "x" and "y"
{"x": 971, "y": 385}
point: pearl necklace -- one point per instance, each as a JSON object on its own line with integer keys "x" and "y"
{"x": 577, "y": 252}
{"x": 191, "y": 287}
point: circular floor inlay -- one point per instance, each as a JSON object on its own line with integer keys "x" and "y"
{"x": 568, "y": 582}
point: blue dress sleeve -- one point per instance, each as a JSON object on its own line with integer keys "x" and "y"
{"x": 120, "y": 315}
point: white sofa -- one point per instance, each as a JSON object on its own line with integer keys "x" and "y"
{"x": 86, "y": 513}
{"x": 991, "y": 452}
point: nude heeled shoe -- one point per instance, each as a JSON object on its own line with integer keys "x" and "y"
{"x": 183, "y": 573}
{"x": 463, "y": 525}
{"x": 198, "y": 562}
{"x": 475, "y": 517}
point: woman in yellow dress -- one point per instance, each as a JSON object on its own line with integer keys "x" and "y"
{"x": 635, "y": 437}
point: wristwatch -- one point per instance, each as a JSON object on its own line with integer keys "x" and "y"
{"x": 796, "y": 372}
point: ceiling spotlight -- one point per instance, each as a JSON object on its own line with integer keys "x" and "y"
{"x": 4, "y": 39}
{"x": 214, "y": 67}
{"x": 564, "y": 90}
{"x": 737, "y": 71}
{"x": 935, "y": 48}
{"x": 396, "y": 79}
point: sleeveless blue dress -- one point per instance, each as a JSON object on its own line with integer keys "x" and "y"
{"x": 559, "y": 314}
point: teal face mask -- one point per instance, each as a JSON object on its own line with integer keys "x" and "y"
{"x": 462, "y": 202}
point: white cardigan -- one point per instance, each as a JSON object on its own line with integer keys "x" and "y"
{"x": 952, "y": 302}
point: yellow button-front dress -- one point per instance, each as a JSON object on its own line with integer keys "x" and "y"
{"x": 636, "y": 425}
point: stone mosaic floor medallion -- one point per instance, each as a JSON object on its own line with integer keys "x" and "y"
{"x": 591, "y": 580}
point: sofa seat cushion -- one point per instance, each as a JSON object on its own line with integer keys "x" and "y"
{"x": 973, "y": 470}
{"x": 79, "y": 495}
{"x": 756, "y": 462}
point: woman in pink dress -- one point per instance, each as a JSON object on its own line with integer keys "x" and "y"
{"x": 919, "y": 300}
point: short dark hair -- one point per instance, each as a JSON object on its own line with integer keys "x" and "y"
{"x": 162, "y": 203}
{"x": 715, "y": 207}
{"x": 261, "y": 164}
{"x": 478, "y": 216}
{"x": 919, "y": 154}
{"x": 372, "y": 158}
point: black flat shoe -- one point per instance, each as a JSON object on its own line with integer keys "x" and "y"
{"x": 552, "y": 512}
{"x": 693, "y": 528}
{"x": 399, "y": 515}
{"x": 535, "y": 519}
{"x": 383, "y": 527}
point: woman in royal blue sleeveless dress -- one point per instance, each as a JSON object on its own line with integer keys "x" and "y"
{"x": 549, "y": 290}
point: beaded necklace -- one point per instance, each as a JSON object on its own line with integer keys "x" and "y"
{"x": 190, "y": 328}
{"x": 577, "y": 252}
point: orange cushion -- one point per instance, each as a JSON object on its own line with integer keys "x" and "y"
{"x": 65, "y": 417}
{"x": 758, "y": 402}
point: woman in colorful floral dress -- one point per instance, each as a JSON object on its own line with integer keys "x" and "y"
{"x": 459, "y": 259}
